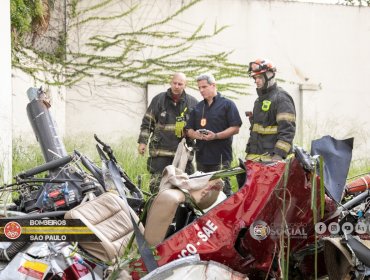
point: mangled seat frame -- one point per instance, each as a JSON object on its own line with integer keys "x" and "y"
{"x": 108, "y": 216}
{"x": 174, "y": 190}
{"x": 176, "y": 187}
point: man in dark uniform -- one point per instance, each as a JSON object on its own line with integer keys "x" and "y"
{"x": 213, "y": 122}
{"x": 273, "y": 118}
{"x": 163, "y": 127}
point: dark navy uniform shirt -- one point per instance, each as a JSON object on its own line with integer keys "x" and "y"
{"x": 221, "y": 115}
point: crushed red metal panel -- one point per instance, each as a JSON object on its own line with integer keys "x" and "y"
{"x": 214, "y": 235}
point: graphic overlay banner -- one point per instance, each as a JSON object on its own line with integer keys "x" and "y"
{"x": 45, "y": 230}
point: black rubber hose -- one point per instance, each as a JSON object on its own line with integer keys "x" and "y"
{"x": 8, "y": 254}
{"x": 93, "y": 169}
{"x": 90, "y": 269}
{"x": 47, "y": 166}
{"x": 360, "y": 250}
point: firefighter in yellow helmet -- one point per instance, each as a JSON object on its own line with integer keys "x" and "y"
{"x": 273, "y": 118}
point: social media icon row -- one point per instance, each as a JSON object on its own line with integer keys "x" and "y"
{"x": 348, "y": 228}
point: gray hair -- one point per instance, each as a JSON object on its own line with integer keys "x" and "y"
{"x": 207, "y": 77}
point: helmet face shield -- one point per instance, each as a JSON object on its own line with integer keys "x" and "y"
{"x": 260, "y": 66}
{"x": 256, "y": 68}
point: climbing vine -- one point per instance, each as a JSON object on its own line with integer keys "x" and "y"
{"x": 356, "y": 2}
{"x": 138, "y": 52}
{"x": 26, "y": 16}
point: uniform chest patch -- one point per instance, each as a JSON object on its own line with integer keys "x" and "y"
{"x": 266, "y": 105}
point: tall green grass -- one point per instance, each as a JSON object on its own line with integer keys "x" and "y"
{"x": 358, "y": 167}
{"x": 26, "y": 156}
{"x": 125, "y": 151}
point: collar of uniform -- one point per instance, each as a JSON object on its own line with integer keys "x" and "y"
{"x": 169, "y": 95}
{"x": 217, "y": 96}
{"x": 264, "y": 93}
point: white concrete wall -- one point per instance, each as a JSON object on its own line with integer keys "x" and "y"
{"x": 109, "y": 111}
{"x": 309, "y": 43}
{"x": 5, "y": 96}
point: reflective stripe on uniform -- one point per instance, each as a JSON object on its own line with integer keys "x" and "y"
{"x": 285, "y": 117}
{"x": 264, "y": 157}
{"x": 151, "y": 117}
{"x": 161, "y": 153}
{"x": 265, "y": 130}
{"x": 165, "y": 127}
{"x": 168, "y": 127}
{"x": 144, "y": 133}
{"x": 282, "y": 145}
{"x": 256, "y": 157}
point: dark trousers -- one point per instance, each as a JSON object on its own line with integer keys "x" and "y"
{"x": 216, "y": 167}
{"x": 156, "y": 165}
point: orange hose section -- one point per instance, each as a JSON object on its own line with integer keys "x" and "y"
{"x": 359, "y": 185}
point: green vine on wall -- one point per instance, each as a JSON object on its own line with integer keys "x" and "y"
{"x": 28, "y": 16}
{"x": 356, "y": 2}
{"x": 138, "y": 53}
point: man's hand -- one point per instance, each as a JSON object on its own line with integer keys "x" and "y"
{"x": 207, "y": 135}
{"x": 249, "y": 114}
{"x": 141, "y": 148}
{"x": 276, "y": 157}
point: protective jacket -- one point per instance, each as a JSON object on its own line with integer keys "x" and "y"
{"x": 272, "y": 124}
{"x": 163, "y": 123}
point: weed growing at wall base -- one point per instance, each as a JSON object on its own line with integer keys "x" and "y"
{"x": 125, "y": 151}
{"x": 26, "y": 156}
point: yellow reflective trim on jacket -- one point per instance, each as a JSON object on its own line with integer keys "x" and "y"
{"x": 183, "y": 112}
{"x": 265, "y": 130}
{"x": 161, "y": 153}
{"x": 168, "y": 127}
{"x": 282, "y": 145}
{"x": 285, "y": 117}
{"x": 256, "y": 157}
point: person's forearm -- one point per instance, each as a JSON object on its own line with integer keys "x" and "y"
{"x": 228, "y": 132}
